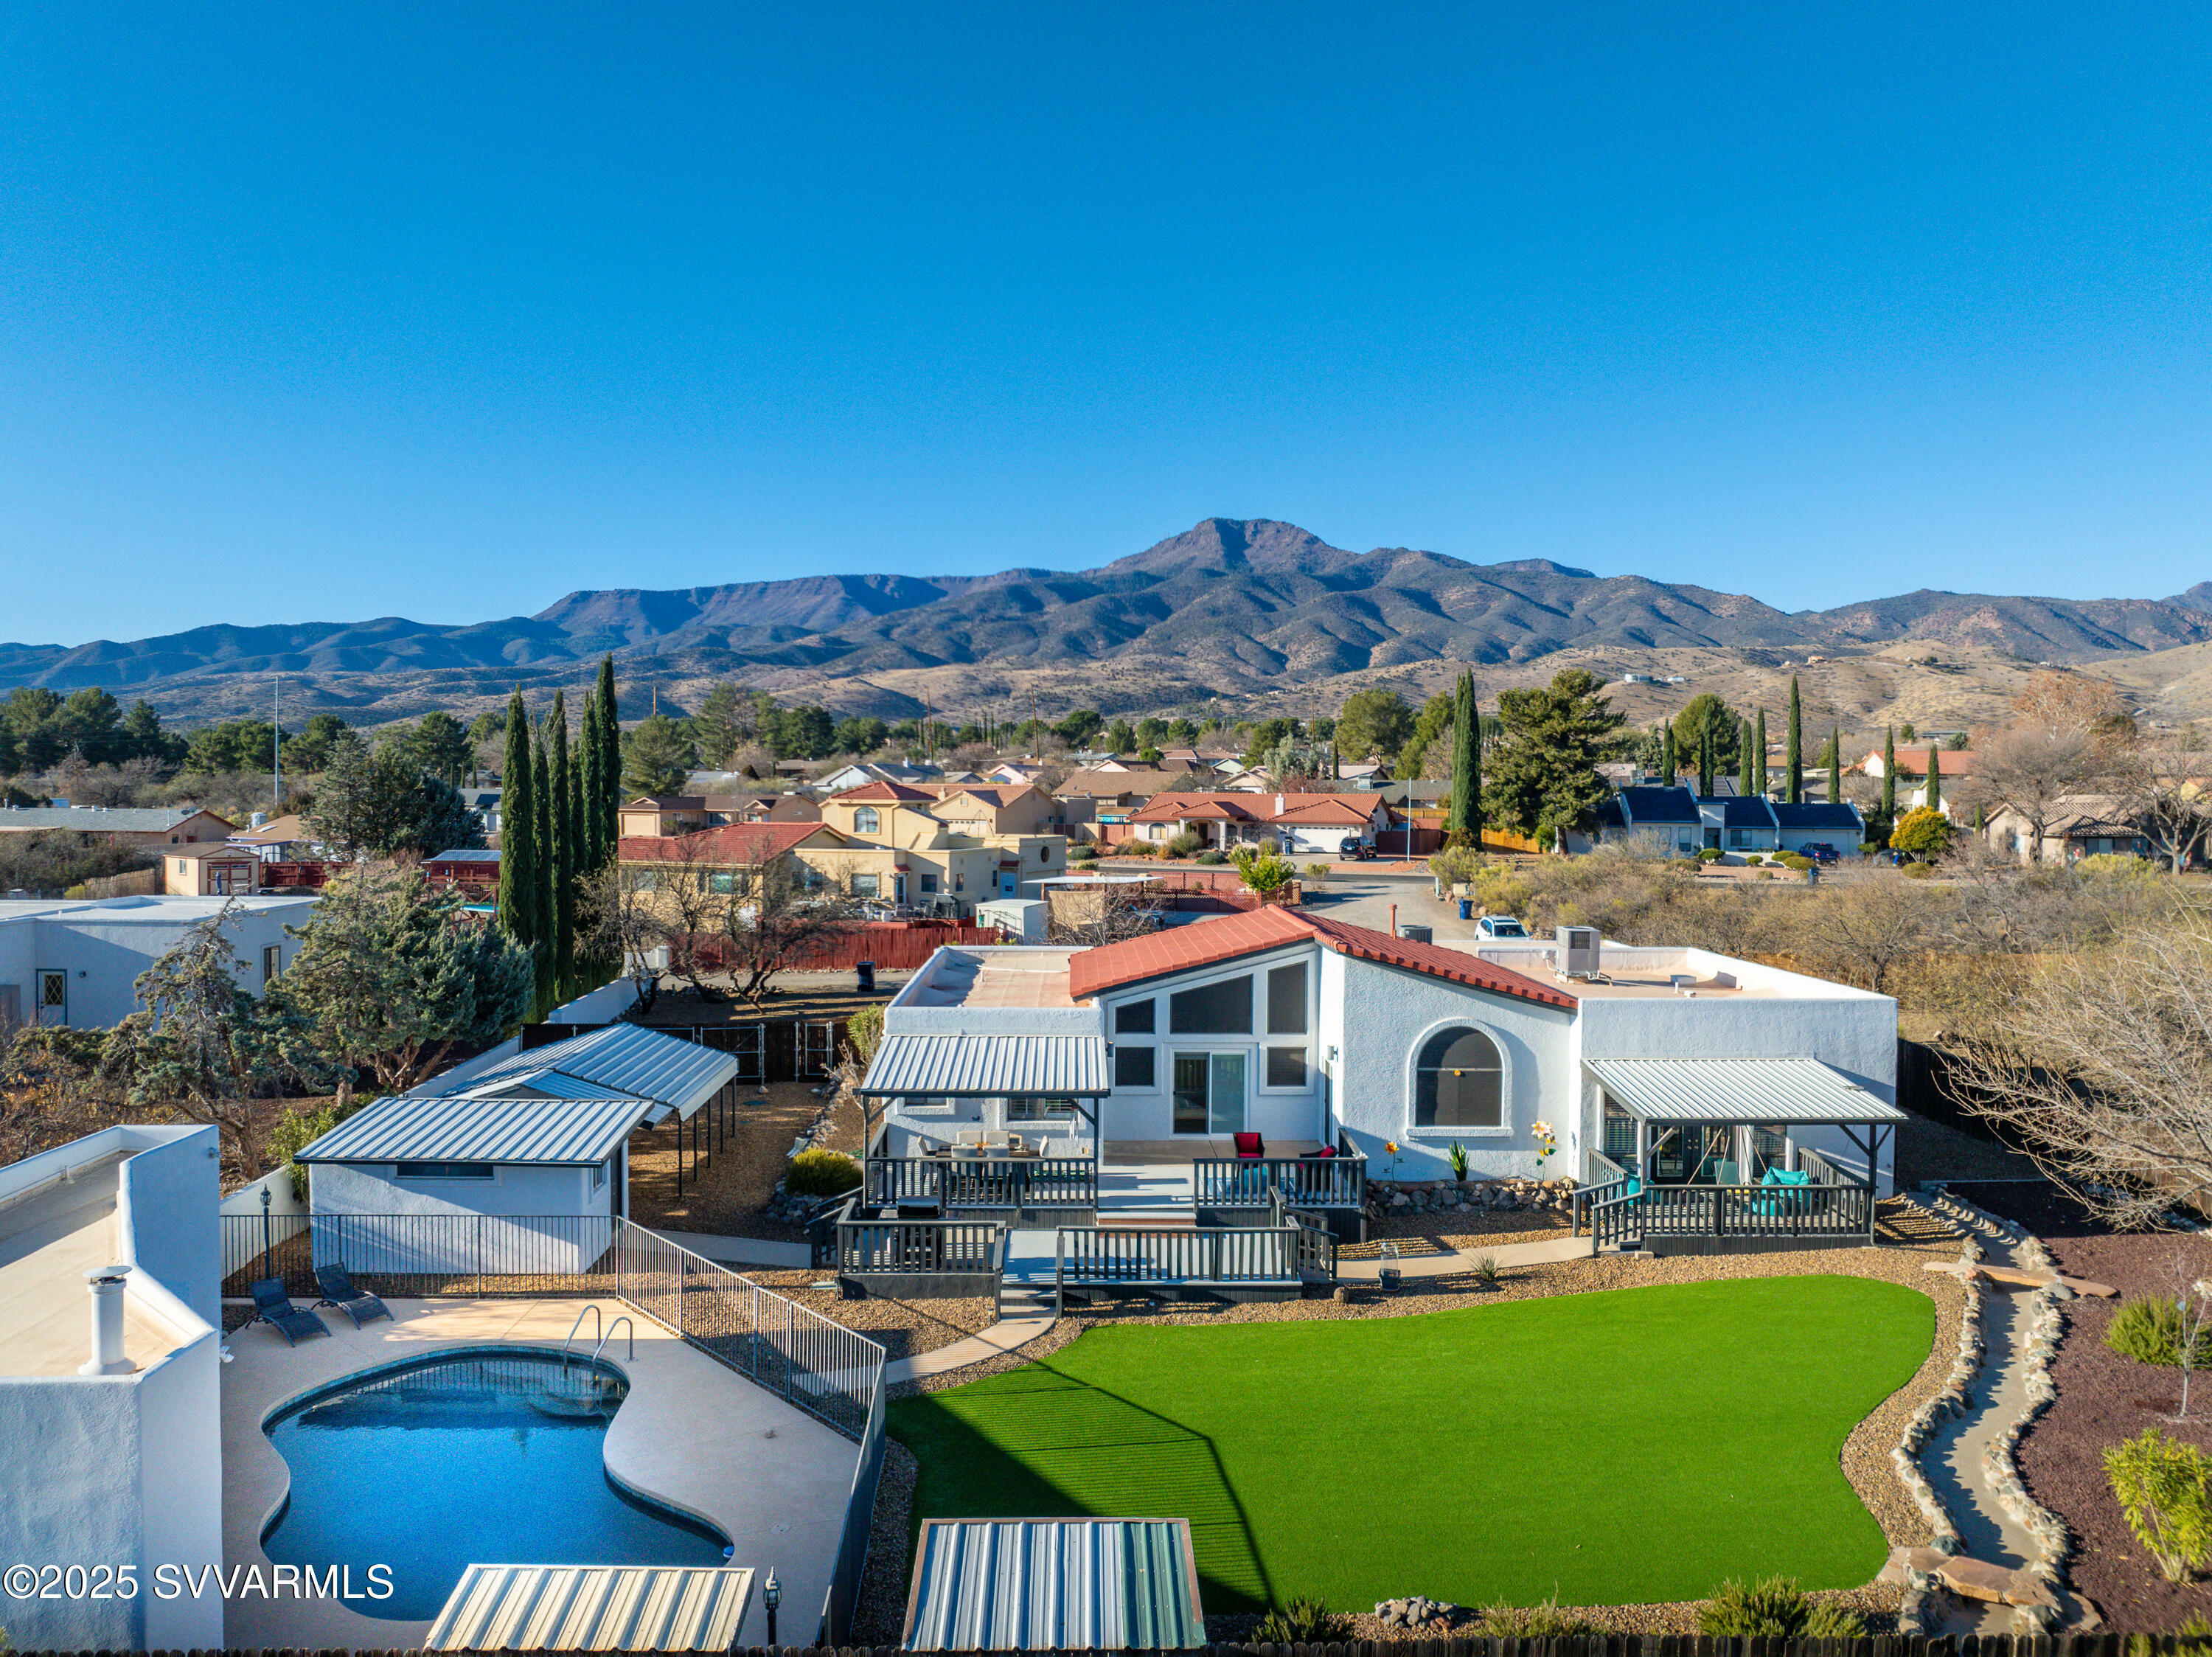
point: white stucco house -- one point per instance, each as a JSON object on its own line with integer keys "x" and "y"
{"x": 535, "y": 1145}
{"x": 74, "y": 962}
{"x": 111, "y": 1431}
{"x": 1568, "y": 1057}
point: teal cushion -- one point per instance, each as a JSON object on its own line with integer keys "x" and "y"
{"x": 1790, "y": 1176}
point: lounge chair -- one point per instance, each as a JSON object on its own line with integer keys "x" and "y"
{"x": 1249, "y": 1144}
{"x": 338, "y": 1291}
{"x": 271, "y": 1305}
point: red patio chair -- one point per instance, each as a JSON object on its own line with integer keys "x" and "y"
{"x": 1249, "y": 1144}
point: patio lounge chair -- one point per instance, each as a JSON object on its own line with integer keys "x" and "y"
{"x": 1795, "y": 1182}
{"x": 271, "y": 1305}
{"x": 338, "y": 1291}
{"x": 1250, "y": 1145}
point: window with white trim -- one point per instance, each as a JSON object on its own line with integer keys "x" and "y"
{"x": 865, "y": 820}
{"x": 1458, "y": 1082}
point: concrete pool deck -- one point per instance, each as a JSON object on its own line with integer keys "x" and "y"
{"x": 691, "y": 1434}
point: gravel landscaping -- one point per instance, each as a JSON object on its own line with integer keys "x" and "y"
{"x": 906, "y": 1328}
{"x": 728, "y": 1191}
{"x": 2103, "y": 1398}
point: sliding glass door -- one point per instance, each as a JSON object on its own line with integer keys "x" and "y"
{"x": 1209, "y": 1092}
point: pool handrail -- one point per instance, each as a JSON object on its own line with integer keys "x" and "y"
{"x": 598, "y": 1328}
{"x": 609, "y": 1335}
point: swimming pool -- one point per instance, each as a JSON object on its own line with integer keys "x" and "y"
{"x": 476, "y": 1456}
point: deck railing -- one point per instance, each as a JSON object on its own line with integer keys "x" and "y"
{"x": 1781, "y": 1212}
{"x": 1001, "y": 1182}
{"x": 919, "y": 1247}
{"x": 1305, "y": 1182}
{"x": 1213, "y": 1255}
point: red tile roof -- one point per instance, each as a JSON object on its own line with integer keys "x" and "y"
{"x": 1324, "y": 809}
{"x": 1185, "y": 948}
{"x": 733, "y": 842}
{"x": 868, "y": 791}
{"x": 1204, "y": 808}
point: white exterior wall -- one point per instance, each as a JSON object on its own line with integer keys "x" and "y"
{"x": 126, "y": 1470}
{"x": 480, "y": 1222}
{"x": 1844, "y": 840}
{"x": 1388, "y": 1014}
{"x": 103, "y": 946}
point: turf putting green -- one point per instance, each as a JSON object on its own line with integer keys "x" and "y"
{"x": 1613, "y": 1448}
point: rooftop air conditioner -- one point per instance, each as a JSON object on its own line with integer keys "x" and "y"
{"x": 1578, "y": 951}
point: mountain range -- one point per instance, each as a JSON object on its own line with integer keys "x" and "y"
{"x": 1224, "y": 608}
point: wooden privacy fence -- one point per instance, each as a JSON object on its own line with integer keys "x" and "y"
{"x": 893, "y": 946}
{"x": 1594, "y": 1645}
{"x": 1927, "y": 1086}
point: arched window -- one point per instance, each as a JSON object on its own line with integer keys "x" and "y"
{"x": 865, "y": 820}
{"x": 1460, "y": 1082}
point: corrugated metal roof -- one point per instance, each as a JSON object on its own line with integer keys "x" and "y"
{"x": 627, "y": 1059}
{"x": 989, "y": 1067}
{"x": 128, "y": 820}
{"x": 593, "y": 1608}
{"x": 1741, "y": 1090}
{"x": 553, "y": 1084}
{"x": 1055, "y": 1584}
{"x": 409, "y": 1127}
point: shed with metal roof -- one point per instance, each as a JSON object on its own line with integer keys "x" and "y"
{"x": 1054, "y": 1584}
{"x": 626, "y": 1059}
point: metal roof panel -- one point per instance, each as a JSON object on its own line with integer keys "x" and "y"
{"x": 989, "y": 1067}
{"x": 593, "y": 1608}
{"x": 409, "y": 1127}
{"x": 1055, "y": 1584}
{"x": 630, "y": 1059}
{"x": 1738, "y": 1090}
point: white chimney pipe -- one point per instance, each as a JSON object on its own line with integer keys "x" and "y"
{"x": 107, "y": 1359}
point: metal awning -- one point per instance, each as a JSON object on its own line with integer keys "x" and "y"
{"x": 593, "y": 1608}
{"x": 989, "y": 1067}
{"x": 1054, "y": 1584}
{"x": 1752, "y": 1090}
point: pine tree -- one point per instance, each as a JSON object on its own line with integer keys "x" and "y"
{"x": 1743, "y": 757}
{"x": 1796, "y": 780}
{"x": 519, "y": 871}
{"x": 1835, "y": 765}
{"x": 1668, "y": 762}
{"x": 610, "y": 799}
{"x": 561, "y": 850}
{"x": 1935, "y": 800}
{"x": 1889, "y": 778}
{"x": 1461, "y": 820}
{"x": 1758, "y": 754}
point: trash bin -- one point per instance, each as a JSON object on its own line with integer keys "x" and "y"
{"x": 867, "y": 972}
{"x": 1467, "y": 909}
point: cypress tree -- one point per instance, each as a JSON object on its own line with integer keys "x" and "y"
{"x": 517, "y": 909}
{"x": 1462, "y": 822}
{"x": 1743, "y": 757}
{"x": 1889, "y": 778}
{"x": 1835, "y": 765}
{"x": 1705, "y": 755}
{"x": 1758, "y": 755}
{"x": 541, "y": 787}
{"x": 609, "y": 799}
{"x": 1935, "y": 779}
{"x": 589, "y": 851}
{"x": 1796, "y": 748}
{"x": 561, "y": 849}
{"x": 1668, "y": 763}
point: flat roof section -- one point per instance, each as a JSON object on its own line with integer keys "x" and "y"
{"x": 50, "y": 1236}
{"x": 992, "y": 979}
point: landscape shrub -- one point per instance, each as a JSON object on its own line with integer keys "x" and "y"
{"x": 1134, "y": 849}
{"x": 1082, "y": 852}
{"x": 864, "y": 1032}
{"x": 1689, "y": 864}
{"x": 1775, "y": 1607}
{"x": 295, "y": 1130}
{"x": 1304, "y": 1621}
{"x": 1316, "y": 873}
{"x": 1753, "y": 859}
{"x": 2161, "y": 1483}
{"x": 1211, "y": 858}
{"x": 1543, "y": 1622}
{"x": 1791, "y": 860}
{"x": 819, "y": 1173}
{"x": 1919, "y": 871}
{"x": 2150, "y": 1330}
{"x": 1184, "y": 844}
{"x": 1868, "y": 848}
{"x": 1709, "y": 854}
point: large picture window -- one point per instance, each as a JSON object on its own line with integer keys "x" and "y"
{"x": 1460, "y": 1082}
{"x": 1212, "y": 1009}
{"x": 1286, "y": 1000}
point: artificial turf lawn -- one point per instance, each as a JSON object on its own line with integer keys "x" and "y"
{"x": 1613, "y": 1449}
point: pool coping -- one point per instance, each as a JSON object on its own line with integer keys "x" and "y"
{"x": 692, "y": 1435}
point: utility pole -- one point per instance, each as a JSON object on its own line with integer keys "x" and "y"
{"x": 275, "y": 743}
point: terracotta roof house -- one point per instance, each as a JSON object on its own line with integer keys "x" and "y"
{"x": 1292, "y": 823}
{"x": 1194, "y": 1076}
{"x": 142, "y": 825}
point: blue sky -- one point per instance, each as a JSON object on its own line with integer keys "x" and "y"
{"x": 335, "y": 312}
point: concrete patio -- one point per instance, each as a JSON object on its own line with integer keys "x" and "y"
{"x": 691, "y": 1434}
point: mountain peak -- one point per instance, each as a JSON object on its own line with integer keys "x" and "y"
{"x": 1265, "y": 545}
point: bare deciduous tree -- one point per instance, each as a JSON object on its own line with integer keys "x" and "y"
{"x": 780, "y": 920}
{"x": 1087, "y": 916}
{"x": 2105, "y": 1073}
{"x": 619, "y": 919}
{"x": 2028, "y": 767}
{"x": 1867, "y": 922}
{"x": 2165, "y": 784}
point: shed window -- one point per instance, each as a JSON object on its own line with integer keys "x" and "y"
{"x": 1286, "y": 1000}
{"x": 865, "y": 820}
{"x": 1212, "y": 1009}
{"x": 444, "y": 1170}
{"x": 1460, "y": 1082}
{"x": 1134, "y": 1018}
{"x": 1136, "y": 1067}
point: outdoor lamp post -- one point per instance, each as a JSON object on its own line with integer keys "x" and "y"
{"x": 772, "y": 1596}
